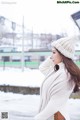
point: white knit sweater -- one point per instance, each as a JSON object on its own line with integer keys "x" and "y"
{"x": 55, "y": 91}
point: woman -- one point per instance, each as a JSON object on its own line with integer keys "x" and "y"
{"x": 62, "y": 76}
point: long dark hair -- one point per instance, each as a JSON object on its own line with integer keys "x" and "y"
{"x": 73, "y": 69}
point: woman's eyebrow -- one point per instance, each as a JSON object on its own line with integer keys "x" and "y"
{"x": 53, "y": 50}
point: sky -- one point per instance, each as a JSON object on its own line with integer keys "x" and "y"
{"x": 41, "y": 15}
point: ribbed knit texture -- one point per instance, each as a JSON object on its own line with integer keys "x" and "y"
{"x": 54, "y": 91}
{"x": 66, "y": 46}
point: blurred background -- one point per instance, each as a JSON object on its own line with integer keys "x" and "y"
{"x": 27, "y": 28}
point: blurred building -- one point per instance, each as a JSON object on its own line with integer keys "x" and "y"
{"x": 11, "y": 33}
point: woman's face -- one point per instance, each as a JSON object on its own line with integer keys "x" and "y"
{"x": 56, "y": 57}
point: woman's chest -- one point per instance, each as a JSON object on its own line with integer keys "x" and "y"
{"x": 47, "y": 84}
{"x": 52, "y": 83}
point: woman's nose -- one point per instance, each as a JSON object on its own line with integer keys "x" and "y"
{"x": 51, "y": 56}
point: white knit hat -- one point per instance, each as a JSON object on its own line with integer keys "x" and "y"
{"x": 66, "y": 46}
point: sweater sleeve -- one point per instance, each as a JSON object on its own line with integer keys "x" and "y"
{"x": 46, "y": 66}
{"x": 56, "y": 102}
{"x": 47, "y": 112}
{"x": 51, "y": 108}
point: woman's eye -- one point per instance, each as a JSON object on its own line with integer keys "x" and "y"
{"x": 53, "y": 52}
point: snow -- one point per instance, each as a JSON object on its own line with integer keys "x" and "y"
{"x": 13, "y": 76}
{"x": 19, "y": 106}
{"x": 25, "y": 107}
